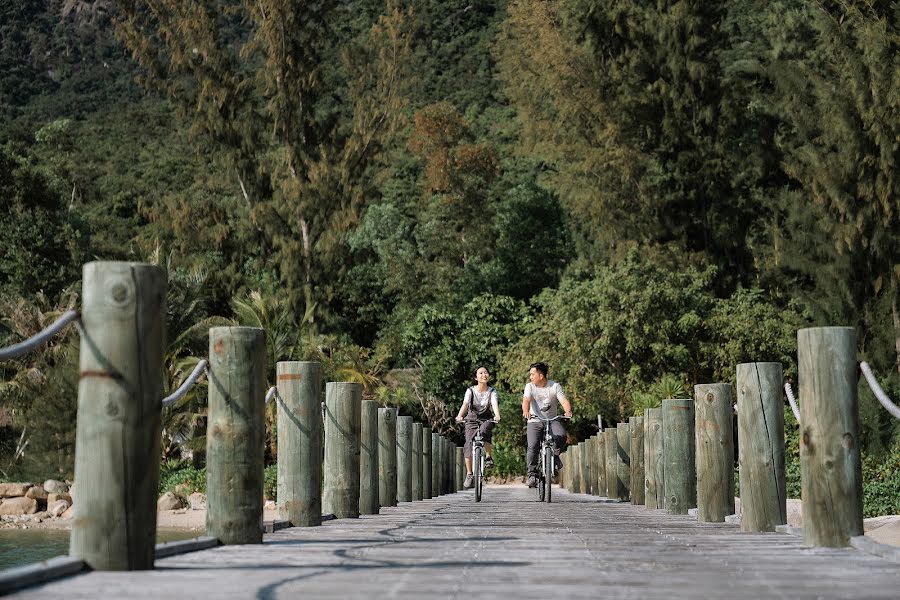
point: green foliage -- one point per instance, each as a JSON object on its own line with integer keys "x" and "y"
{"x": 270, "y": 482}
{"x": 668, "y": 387}
{"x": 791, "y": 454}
{"x": 508, "y": 443}
{"x": 181, "y": 478}
{"x": 451, "y": 345}
{"x": 607, "y": 333}
{"x": 881, "y": 484}
{"x": 41, "y": 246}
{"x": 38, "y": 391}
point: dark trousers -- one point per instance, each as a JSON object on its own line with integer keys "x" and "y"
{"x": 472, "y": 426}
{"x": 536, "y": 437}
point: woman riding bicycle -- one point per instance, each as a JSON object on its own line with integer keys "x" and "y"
{"x": 540, "y": 398}
{"x": 481, "y": 411}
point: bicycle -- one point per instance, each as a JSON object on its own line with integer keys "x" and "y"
{"x": 545, "y": 477}
{"x": 478, "y": 457}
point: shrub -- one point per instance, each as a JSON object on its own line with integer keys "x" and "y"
{"x": 270, "y": 482}
{"x": 178, "y": 472}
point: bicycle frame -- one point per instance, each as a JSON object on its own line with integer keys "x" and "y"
{"x": 478, "y": 457}
{"x": 545, "y": 477}
{"x": 478, "y": 463}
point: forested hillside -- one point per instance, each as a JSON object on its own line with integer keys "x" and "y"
{"x": 640, "y": 194}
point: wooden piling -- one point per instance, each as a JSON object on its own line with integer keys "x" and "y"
{"x": 299, "y": 464}
{"x": 426, "y": 462}
{"x": 417, "y": 461}
{"x": 343, "y": 406}
{"x": 654, "y": 497}
{"x": 387, "y": 456}
{"x": 680, "y": 470}
{"x": 576, "y": 468}
{"x": 235, "y": 434}
{"x": 435, "y": 464}
{"x": 585, "y": 458}
{"x": 760, "y": 408}
{"x": 623, "y": 460}
{"x": 638, "y": 479}
{"x": 830, "y": 466}
{"x": 714, "y": 447}
{"x": 460, "y": 469}
{"x": 595, "y": 469}
{"x": 368, "y": 459}
{"x": 614, "y": 489}
{"x": 118, "y": 429}
{"x": 404, "y": 459}
{"x": 449, "y": 461}
{"x": 600, "y": 460}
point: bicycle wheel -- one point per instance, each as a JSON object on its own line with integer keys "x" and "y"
{"x": 548, "y": 474}
{"x": 540, "y": 478}
{"x": 477, "y": 466}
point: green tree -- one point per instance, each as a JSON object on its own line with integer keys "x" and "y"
{"x": 252, "y": 80}
{"x": 41, "y": 246}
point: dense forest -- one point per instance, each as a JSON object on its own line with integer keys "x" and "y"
{"x": 640, "y": 194}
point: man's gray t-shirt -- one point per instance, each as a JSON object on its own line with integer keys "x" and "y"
{"x": 545, "y": 398}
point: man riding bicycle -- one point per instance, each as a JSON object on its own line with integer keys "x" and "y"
{"x": 540, "y": 398}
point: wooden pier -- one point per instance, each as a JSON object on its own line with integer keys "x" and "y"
{"x": 510, "y": 547}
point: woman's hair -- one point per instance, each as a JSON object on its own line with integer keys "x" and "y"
{"x": 542, "y": 367}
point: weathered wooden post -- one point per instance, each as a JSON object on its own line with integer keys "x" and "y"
{"x": 435, "y": 464}
{"x": 404, "y": 459}
{"x": 654, "y": 496}
{"x": 623, "y": 462}
{"x": 343, "y": 406}
{"x": 595, "y": 467}
{"x": 638, "y": 480}
{"x": 830, "y": 468}
{"x": 585, "y": 456}
{"x": 417, "y": 462}
{"x": 714, "y": 446}
{"x": 235, "y": 434}
{"x": 576, "y": 468}
{"x": 680, "y": 469}
{"x": 387, "y": 456}
{"x": 614, "y": 489}
{"x": 368, "y": 459}
{"x": 426, "y": 463}
{"x": 299, "y": 400}
{"x": 123, "y": 341}
{"x": 442, "y": 472}
{"x": 760, "y": 408}
{"x": 460, "y": 469}
{"x": 600, "y": 460}
{"x": 449, "y": 462}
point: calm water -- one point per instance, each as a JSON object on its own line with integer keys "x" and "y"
{"x": 23, "y": 546}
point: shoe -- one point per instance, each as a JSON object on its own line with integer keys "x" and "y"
{"x": 531, "y": 481}
{"x": 469, "y": 483}
{"x": 488, "y": 462}
{"x": 557, "y": 464}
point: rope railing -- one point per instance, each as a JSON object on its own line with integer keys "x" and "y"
{"x": 789, "y": 392}
{"x": 187, "y": 384}
{"x": 879, "y": 393}
{"x": 273, "y": 391}
{"x": 36, "y": 340}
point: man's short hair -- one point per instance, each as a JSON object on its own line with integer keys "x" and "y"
{"x": 542, "y": 367}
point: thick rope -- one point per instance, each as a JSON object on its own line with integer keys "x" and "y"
{"x": 879, "y": 393}
{"x": 273, "y": 391}
{"x": 790, "y": 397}
{"x": 186, "y": 385}
{"x": 34, "y": 341}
